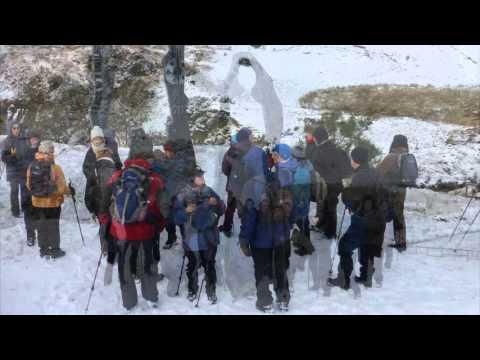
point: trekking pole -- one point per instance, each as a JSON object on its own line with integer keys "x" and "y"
{"x": 337, "y": 241}
{"x": 94, "y": 279}
{"x": 461, "y": 217}
{"x": 200, "y": 292}
{"x": 180, "y": 277}
{"x": 468, "y": 230}
{"x": 76, "y": 212}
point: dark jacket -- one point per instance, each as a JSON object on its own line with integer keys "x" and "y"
{"x": 156, "y": 208}
{"x": 16, "y": 164}
{"x": 92, "y": 190}
{"x": 332, "y": 163}
{"x": 201, "y": 226}
{"x": 365, "y": 198}
{"x": 230, "y": 159}
{"x": 256, "y": 173}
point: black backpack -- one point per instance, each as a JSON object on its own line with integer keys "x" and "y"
{"x": 238, "y": 175}
{"x": 41, "y": 179}
{"x": 407, "y": 170}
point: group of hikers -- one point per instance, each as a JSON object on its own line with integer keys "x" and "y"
{"x": 270, "y": 188}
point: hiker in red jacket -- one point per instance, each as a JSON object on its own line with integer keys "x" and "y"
{"x": 137, "y": 208}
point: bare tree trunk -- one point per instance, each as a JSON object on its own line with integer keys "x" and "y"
{"x": 178, "y": 130}
{"x": 103, "y": 79}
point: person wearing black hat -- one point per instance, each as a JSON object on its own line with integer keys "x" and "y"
{"x": 364, "y": 202}
{"x": 199, "y": 208}
{"x": 388, "y": 170}
{"x": 332, "y": 164}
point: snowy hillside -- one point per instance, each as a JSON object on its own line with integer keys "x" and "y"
{"x": 296, "y": 70}
{"x": 420, "y": 281}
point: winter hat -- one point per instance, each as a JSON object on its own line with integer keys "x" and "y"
{"x": 140, "y": 145}
{"x": 244, "y": 134}
{"x": 320, "y": 134}
{"x": 34, "y": 133}
{"x": 96, "y": 132}
{"x": 46, "y": 147}
{"x": 284, "y": 150}
{"x": 399, "y": 141}
{"x": 360, "y": 155}
{"x": 298, "y": 152}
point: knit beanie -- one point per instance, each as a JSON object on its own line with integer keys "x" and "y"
{"x": 284, "y": 150}
{"x": 244, "y": 134}
{"x": 360, "y": 155}
{"x": 399, "y": 141}
{"x": 46, "y": 147}
{"x": 96, "y": 132}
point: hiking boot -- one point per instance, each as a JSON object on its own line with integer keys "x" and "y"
{"x": 282, "y": 306}
{"x": 225, "y": 231}
{"x": 30, "y": 241}
{"x": 360, "y": 279}
{"x": 268, "y": 309}
{"x": 57, "y": 253}
{"x": 191, "y": 296}
{"x": 343, "y": 284}
{"x": 153, "y": 304}
{"x": 168, "y": 245}
{"x": 400, "y": 247}
{"x": 45, "y": 253}
{"x": 212, "y": 298}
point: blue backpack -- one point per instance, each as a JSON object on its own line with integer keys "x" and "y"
{"x": 302, "y": 180}
{"x": 130, "y": 196}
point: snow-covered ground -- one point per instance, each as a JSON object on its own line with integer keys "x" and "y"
{"x": 413, "y": 282}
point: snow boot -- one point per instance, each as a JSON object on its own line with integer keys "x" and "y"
{"x": 45, "y": 253}
{"x": 282, "y": 306}
{"x": 57, "y": 253}
{"x": 212, "y": 298}
{"x": 267, "y": 309}
{"x": 340, "y": 282}
{"x": 400, "y": 247}
{"x": 168, "y": 245}
{"x": 152, "y": 304}
{"x": 191, "y": 296}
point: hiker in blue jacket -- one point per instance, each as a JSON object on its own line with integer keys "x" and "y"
{"x": 267, "y": 233}
{"x": 199, "y": 208}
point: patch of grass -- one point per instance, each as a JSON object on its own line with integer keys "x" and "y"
{"x": 459, "y": 105}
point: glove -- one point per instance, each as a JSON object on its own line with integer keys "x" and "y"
{"x": 108, "y": 275}
{"x": 245, "y": 249}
